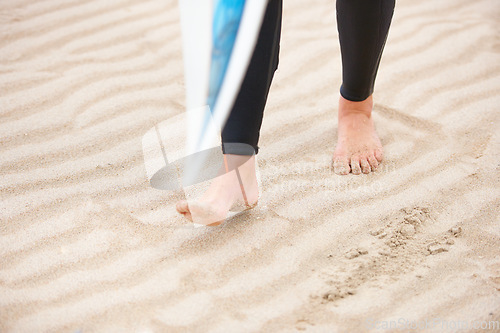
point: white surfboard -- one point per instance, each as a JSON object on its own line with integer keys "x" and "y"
{"x": 197, "y": 26}
{"x": 197, "y": 29}
{"x": 166, "y": 158}
{"x": 246, "y": 39}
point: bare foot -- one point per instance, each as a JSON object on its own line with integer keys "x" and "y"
{"x": 358, "y": 147}
{"x": 235, "y": 186}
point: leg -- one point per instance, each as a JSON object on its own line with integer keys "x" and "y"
{"x": 241, "y": 133}
{"x": 245, "y": 119}
{"x": 363, "y": 26}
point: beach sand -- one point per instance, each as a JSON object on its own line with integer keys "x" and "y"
{"x": 86, "y": 245}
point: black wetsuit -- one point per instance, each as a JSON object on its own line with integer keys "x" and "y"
{"x": 363, "y": 26}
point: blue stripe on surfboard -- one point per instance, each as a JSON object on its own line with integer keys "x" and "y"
{"x": 227, "y": 18}
{"x": 226, "y": 21}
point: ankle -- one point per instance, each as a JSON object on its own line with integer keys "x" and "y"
{"x": 350, "y": 108}
{"x": 245, "y": 165}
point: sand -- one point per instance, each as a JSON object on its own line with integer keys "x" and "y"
{"x": 86, "y": 245}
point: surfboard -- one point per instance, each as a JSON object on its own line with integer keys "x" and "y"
{"x": 219, "y": 37}
{"x": 218, "y": 40}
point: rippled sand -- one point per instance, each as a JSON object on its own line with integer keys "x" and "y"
{"x": 86, "y": 245}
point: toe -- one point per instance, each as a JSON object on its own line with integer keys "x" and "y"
{"x": 365, "y": 166}
{"x": 373, "y": 162}
{"x": 341, "y": 166}
{"x": 355, "y": 167}
{"x": 379, "y": 155}
{"x": 183, "y": 208}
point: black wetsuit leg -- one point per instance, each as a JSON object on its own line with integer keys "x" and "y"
{"x": 245, "y": 119}
{"x": 363, "y": 27}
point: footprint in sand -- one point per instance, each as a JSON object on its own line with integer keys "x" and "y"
{"x": 399, "y": 246}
